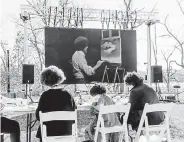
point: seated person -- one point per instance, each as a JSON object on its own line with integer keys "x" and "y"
{"x": 100, "y": 98}
{"x": 7, "y": 125}
{"x": 141, "y": 94}
{"x": 55, "y": 99}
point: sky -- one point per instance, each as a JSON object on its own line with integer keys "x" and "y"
{"x": 11, "y": 9}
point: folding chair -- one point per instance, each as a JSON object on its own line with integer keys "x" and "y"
{"x": 162, "y": 128}
{"x": 106, "y": 130}
{"x": 58, "y": 115}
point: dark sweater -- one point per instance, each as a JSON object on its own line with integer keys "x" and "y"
{"x": 139, "y": 96}
{"x": 56, "y": 100}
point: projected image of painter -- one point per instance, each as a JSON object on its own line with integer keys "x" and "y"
{"x": 111, "y": 50}
{"x": 82, "y": 53}
{"x": 81, "y": 69}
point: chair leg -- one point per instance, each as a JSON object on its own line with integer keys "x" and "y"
{"x": 126, "y": 135}
{"x": 2, "y": 138}
{"x": 120, "y": 137}
{"x": 168, "y": 135}
{"x": 103, "y": 137}
{"x": 168, "y": 130}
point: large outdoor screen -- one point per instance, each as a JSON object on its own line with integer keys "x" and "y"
{"x": 66, "y": 49}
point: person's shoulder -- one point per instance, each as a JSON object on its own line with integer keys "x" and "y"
{"x": 51, "y": 91}
{"x": 133, "y": 91}
{"x": 65, "y": 92}
{"x": 148, "y": 87}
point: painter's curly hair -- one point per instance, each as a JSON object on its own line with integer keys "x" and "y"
{"x": 97, "y": 89}
{"x": 133, "y": 78}
{"x": 81, "y": 43}
{"x": 52, "y": 76}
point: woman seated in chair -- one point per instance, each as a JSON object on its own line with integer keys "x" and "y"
{"x": 100, "y": 98}
{"x": 55, "y": 99}
{"x": 141, "y": 94}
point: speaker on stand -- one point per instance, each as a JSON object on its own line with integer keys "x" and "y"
{"x": 157, "y": 77}
{"x": 28, "y": 78}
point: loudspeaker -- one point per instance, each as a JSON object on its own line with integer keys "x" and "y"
{"x": 28, "y": 74}
{"x": 157, "y": 74}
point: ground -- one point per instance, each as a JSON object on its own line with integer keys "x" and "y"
{"x": 176, "y": 125}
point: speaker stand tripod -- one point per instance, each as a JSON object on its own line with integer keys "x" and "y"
{"x": 27, "y": 94}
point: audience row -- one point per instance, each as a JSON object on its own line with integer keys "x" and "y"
{"x": 58, "y": 99}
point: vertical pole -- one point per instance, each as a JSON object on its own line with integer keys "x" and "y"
{"x": 148, "y": 53}
{"x": 8, "y": 67}
{"x": 26, "y": 91}
{"x": 26, "y": 41}
{"x": 27, "y": 128}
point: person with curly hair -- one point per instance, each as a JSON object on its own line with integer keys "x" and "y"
{"x": 100, "y": 98}
{"x": 141, "y": 94}
{"x": 82, "y": 71}
{"x": 55, "y": 99}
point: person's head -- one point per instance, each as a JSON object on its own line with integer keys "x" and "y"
{"x": 81, "y": 44}
{"x": 52, "y": 76}
{"x": 97, "y": 90}
{"x": 133, "y": 79}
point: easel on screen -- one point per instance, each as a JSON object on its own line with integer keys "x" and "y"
{"x": 116, "y": 77}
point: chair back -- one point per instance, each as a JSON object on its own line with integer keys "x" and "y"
{"x": 58, "y": 115}
{"x": 164, "y": 126}
{"x": 105, "y": 110}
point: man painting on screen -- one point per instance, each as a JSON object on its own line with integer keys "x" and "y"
{"x": 81, "y": 69}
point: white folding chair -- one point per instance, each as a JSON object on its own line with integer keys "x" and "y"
{"x": 58, "y": 115}
{"x": 161, "y": 128}
{"x": 106, "y": 130}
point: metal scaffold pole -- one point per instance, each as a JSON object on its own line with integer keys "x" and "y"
{"x": 149, "y": 53}
{"x": 26, "y": 41}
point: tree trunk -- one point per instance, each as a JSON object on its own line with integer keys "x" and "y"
{"x": 168, "y": 77}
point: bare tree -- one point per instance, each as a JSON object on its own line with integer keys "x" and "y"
{"x": 168, "y": 74}
{"x": 3, "y": 58}
{"x": 179, "y": 41}
{"x": 15, "y": 57}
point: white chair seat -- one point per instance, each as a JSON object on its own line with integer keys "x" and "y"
{"x": 111, "y": 129}
{"x": 156, "y": 128}
{"x": 60, "y": 139}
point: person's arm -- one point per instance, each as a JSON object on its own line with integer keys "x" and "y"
{"x": 133, "y": 100}
{"x": 73, "y": 103}
{"x": 98, "y": 64}
{"x": 69, "y": 101}
{"x": 94, "y": 111}
{"x": 39, "y": 108}
{"x": 82, "y": 63}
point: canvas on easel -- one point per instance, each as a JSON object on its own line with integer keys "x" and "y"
{"x": 111, "y": 47}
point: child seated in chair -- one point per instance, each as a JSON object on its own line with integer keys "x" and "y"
{"x": 112, "y": 119}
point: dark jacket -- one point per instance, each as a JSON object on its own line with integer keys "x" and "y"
{"x": 56, "y": 100}
{"x": 139, "y": 96}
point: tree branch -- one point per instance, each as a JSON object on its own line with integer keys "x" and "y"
{"x": 171, "y": 53}
{"x": 181, "y": 9}
{"x": 170, "y": 33}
